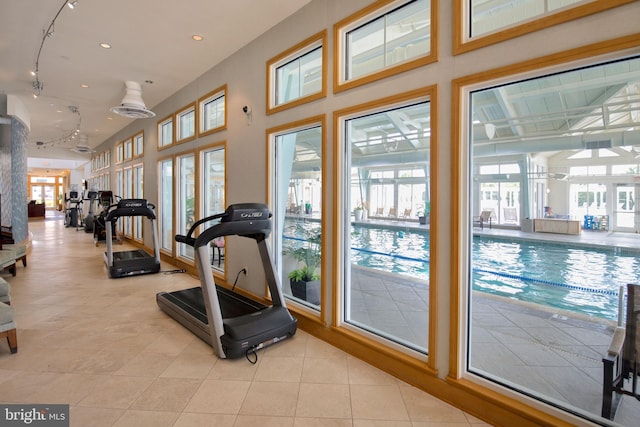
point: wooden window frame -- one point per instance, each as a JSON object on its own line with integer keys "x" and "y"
{"x": 363, "y": 17}
{"x": 295, "y": 52}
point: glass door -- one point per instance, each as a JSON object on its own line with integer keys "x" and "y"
{"x": 626, "y": 212}
{"x": 43, "y": 194}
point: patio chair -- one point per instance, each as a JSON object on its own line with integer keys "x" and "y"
{"x": 407, "y": 213}
{"x": 510, "y": 215}
{"x": 484, "y": 218}
{"x": 620, "y": 364}
{"x": 379, "y": 212}
{"x": 393, "y": 212}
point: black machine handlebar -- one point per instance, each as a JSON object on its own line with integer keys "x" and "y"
{"x": 243, "y": 219}
{"x": 189, "y": 239}
{"x": 131, "y": 207}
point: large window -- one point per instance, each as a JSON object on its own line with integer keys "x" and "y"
{"x": 298, "y": 75}
{"x": 212, "y": 198}
{"x": 185, "y": 200}
{"x": 541, "y": 313}
{"x": 138, "y": 193}
{"x": 165, "y": 202}
{"x": 212, "y": 110}
{"x": 386, "y": 38}
{"x": 296, "y": 194}
{"x": 127, "y": 193}
{"x": 386, "y": 149}
{"x": 119, "y": 192}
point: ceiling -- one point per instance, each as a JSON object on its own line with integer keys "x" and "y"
{"x": 151, "y": 43}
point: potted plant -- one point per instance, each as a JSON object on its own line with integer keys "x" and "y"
{"x": 357, "y": 213}
{"x": 305, "y": 279}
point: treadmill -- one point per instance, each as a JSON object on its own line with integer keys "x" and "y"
{"x": 232, "y": 324}
{"x": 138, "y": 261}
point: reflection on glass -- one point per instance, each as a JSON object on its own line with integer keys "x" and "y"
{"x": 213, "y": 198}
{"x": 298, "y": 218}
{"x": 388, "y": 167}
{"x": 127, "y": 221}
{"x": 489, "y": 16}
{"x": 400, "y": 35}
{"x": 213, "y": 113}
{"x": 300, "y": 77}
{"x": 551, "y": 150}
{"x": 187, "y": 125}
{"x": 186, "y": 214}
{"x": 138, "y": 194}
{"x": 165, "y": 195}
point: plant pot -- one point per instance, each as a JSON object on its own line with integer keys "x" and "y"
{"x": 357, "y": 214}
{"x": 423, "y": 220}
{"x": 308, "y": 291}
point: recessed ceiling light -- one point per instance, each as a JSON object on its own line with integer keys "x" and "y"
{"x": 105, "y": 45}
{"x": 109, "y": 118}
{"x": 84, "y": 86}
{"x": 197, "y": 37}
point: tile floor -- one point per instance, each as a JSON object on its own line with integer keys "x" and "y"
{"x": 103, "y": 346}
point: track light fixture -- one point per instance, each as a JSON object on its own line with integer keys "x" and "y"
{"x": 37, "y": 84}
{"x": 69, "y": 135}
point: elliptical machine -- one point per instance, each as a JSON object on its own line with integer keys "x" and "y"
{"x": 105, "y": 199}
{"x": 89, "y": 220}
{"x": 73, "y": 211}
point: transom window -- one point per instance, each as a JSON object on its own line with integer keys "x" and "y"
{"x": 165, "y": 132}
{"x": 186, "y": 124}
{"x": 386, "y": 40}
{"x": 138, "y": 145}
{"x": 297, "y": 75}
{"x": 212, "y": 111}
{"x": 479, "y": 23}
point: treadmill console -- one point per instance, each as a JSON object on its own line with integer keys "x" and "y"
{"x": 132, "y": 204}
{"x": 246, "y": 212}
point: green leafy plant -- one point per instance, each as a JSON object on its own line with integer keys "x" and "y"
{"x": 307, "y": 253}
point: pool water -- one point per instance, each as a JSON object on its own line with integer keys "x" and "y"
{"x": 579, "y": 279}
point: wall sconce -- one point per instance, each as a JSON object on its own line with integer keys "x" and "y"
{"x": 247, "y": 112}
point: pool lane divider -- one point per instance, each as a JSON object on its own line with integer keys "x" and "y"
{"x": 507, "y": 275}
{"x": 547, "y": 282}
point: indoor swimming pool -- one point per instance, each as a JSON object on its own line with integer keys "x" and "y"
{"x": 576, "y": 278}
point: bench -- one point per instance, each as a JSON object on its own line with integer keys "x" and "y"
{"x": 620, "y": 364}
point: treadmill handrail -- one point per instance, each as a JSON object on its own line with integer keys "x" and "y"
{"x": 121, "y": 209}
{"x": 189, "y": 239}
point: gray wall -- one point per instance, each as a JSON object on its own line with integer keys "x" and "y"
{"x": 245, "y": 74}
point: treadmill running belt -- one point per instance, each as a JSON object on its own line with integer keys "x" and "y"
{"x": 231, "y": 303}
{"x": 135, "y": 254}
